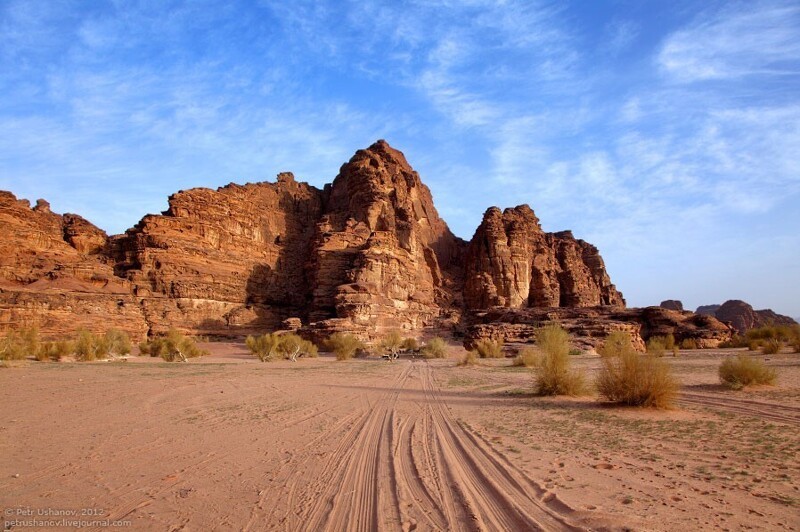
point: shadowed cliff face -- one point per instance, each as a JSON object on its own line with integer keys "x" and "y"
{"x": 369, "y": 251}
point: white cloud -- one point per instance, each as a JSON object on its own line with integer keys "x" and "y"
{"x": 747, "y": 38}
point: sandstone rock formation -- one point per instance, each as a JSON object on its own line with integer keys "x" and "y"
{"x": 512, "y": 263}
{"x": 588, "y": 326}
{"x": 672, "y": 304}
{"x": 366, "y": 253}
{"x": 53, "y": 274}
{"x": 708, "y": 310}
{"x": 743, "y": 317}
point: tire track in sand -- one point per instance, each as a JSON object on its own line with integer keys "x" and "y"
{"x": 499, "y": 496}
{"x": 769, "y": 411}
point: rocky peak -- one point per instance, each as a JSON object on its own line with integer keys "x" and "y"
{"x": 672, "y": 304}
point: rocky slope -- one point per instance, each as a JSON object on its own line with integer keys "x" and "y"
{"x": 366, "y": 253}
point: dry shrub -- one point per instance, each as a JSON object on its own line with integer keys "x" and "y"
{"x": 264, "y": 347}
{"x": 292, "y": 346}
{"x": 118, "y": 342}
{"x": 58, "y": 349}
{"x": 490, "y": 348}
{"x": 410, "y": 344}
{"x": 553, "y": 375}
{"x": 616, "y": 343}
{"x": 527, "y": 357}
{"x": 84, "y": 346}
{"x": 657, "y": 345}
{"x": 435, "y": 348}
{"x": 391, "y": 343}
{"x": 742, "y": 370}
{"x": 344, "y": 346}
{"x": 172, "y": 347}
{"x": 470, "y": 358}
{"x": 771, "y": 346}
{"x": 20, "y": 344}
{"x": 633, "y": 379}
{"x": 688, "y": 343}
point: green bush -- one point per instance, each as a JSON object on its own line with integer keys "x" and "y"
{"x": 435, "y": 348}
{"x": 526, "y": 357}
{"x": 344, "y": 346}
{"x": 742, "y": 370}
{"x": 553, "y": 375}
{"x": 632, "y": 379}
{"x": 490, "y": 348}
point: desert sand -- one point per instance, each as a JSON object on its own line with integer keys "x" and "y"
{"x": 229, "y": 443}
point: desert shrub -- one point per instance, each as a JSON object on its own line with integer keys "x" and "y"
{"x": 771, "y": 346}
{"x": 669, "y": 342}
{"x": 20, "y": 343}
{"x": 344, "y": 346}
{"x": 675, "y": 351}
{"x": 490, "y": 348}
{"x": 688, "y": 343}
{"x": 391, "y": 343}
{"x": 435, "y": 348}
{"x": 526, "y": 357}
{"x": 469, "y": 359}
{"x": 118, "y": 342}
{"x": 292, "y": 346}
{"x": 172, "y": 347}
{"x": 265, "y": 347}
{"x": 410, "y": 344}
{"x": 575, "y": 352}
{"x": 553, "y": 375}
{"x": 633, "y": 379}
{"x": 742, "y": 370}
{"x": 656, "y": 345}
{"x": 84, "y": 346}
{"x": 616, "y": 343}
{"x": 57, "y": 350}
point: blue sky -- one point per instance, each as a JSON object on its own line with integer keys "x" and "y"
{"x": 666, "y": 133}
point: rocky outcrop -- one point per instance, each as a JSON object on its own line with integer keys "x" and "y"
{"x": 226, "y": 261}
{"x": 708, "y": 310}
{"x": 53, "y": 274}
{"x": 589, "y": 326}
{"x": 366, "y": 253}
{"x": 512, "y": 263}
{"x": 743, "y": 317}
{"x": 672, "y": 304}
{"x": 382, "y": 256}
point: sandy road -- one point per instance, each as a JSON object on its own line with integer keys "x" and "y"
{"x": 404, "y": 463}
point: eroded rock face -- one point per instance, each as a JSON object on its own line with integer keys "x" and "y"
{"x": 53, "y": 275}
{"x": 367, "y": 253}
{"x": 382, "y": 256}
{"x": 512, "y": 263}
{"x": 225, "y": 261}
